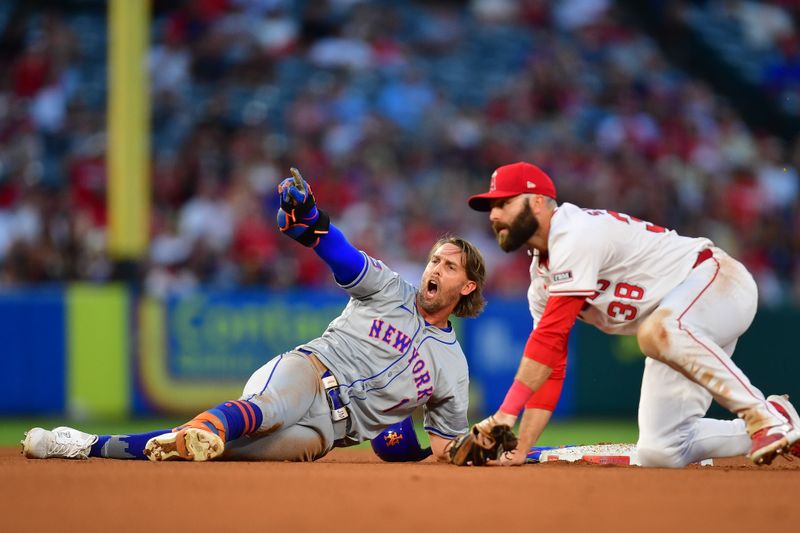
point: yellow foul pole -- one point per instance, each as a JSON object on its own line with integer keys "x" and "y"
{"x": 129, "y": 129}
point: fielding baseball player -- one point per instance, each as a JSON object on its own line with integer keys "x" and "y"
{"x": 686, "y": 300}
{"x": 391, "y": 350}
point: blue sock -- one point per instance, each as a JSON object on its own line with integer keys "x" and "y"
{"x": 230, "y": 420}
{"x": 123, "y": 446}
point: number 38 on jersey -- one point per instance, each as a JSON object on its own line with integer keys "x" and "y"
{"x": 619, "y": 309}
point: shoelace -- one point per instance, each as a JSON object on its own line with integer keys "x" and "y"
{"x": 65, "y": 449}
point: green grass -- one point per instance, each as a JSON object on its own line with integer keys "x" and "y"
{"x": 589, "y": 432}
{"x": 559, "y": 432}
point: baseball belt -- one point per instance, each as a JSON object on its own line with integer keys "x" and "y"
{"x": 330, "y": 385}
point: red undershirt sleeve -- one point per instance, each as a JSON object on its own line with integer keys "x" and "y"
{"x": 548, "y": 342}
{"x": 548, "y": 345}
{"x": 549, "y": 393}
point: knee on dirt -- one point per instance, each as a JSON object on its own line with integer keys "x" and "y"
{"x": 660, "y": 457}
{"x": 654, "y": 334}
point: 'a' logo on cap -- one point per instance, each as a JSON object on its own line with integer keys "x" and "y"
{"x": 531, "y": 185}
{"x": 493, "y": 182}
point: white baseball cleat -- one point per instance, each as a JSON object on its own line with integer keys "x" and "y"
{"x": 782, "y": 404}
{"x": 188, "y": 444}
{"x": 781, "y": 439}
{"x": 61, "y": 442}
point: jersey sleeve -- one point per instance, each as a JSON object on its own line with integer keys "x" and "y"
{"x": 446, "y": 415}
{"x": 575, "y": 257}
{"x": 537, "y": 294}
{"x": 374, "y": 278}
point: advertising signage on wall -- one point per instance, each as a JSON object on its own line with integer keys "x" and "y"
{"x": 92, "y": 351}
{"x": 202, "y": 348}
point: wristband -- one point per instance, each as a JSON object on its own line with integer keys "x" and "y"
{"x": 516, "y": 397}
{"x": 310, "y": 237}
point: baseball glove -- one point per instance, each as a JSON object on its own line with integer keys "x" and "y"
{"x": 477, "y": 447}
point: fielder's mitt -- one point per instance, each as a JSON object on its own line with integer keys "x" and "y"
{"x": 476, "y": 447}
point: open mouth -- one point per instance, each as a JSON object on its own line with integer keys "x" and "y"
{"x": 431, "y": 288}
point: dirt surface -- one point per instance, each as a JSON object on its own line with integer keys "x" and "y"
{"x": 352, "y": 490}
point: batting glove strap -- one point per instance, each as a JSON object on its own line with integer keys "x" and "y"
{"x": 310, "y": 237}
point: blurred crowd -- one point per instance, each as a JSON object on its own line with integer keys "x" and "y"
{"x": 395, "y": 112}
{"x": 769, "y": 28}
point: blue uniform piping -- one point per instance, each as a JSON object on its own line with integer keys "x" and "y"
{"x": 438, "y": 432}
{"x": 271, "y": 374}
{"x": 388, "y": 367}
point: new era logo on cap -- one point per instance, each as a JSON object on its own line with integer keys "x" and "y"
{"x": 512, "y": 180}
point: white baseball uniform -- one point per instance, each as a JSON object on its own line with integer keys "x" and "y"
{"x": 628, "y": 270}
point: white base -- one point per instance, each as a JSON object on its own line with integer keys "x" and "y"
{"x": 619, "y": 454}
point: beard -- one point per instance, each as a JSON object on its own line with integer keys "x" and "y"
{"x": 519, "y": 231}
{"x": 442, "y": 298}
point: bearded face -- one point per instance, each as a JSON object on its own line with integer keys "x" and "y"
{"x": 433, "y": 296}
{"x": 511, "y": 236}
{"x": 443, "y": 279}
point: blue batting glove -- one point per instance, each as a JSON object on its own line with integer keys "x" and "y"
{"x": 298, "y": 212}
{"x": 297, "y": 200}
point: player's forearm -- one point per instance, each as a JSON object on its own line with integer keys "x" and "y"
{"x": 531, "y": 427}
{"x": 440, "y": 447}
{"x": 530, "y": 377}
{"x": 343, "y": 258}
{"x": 532, "y": 373}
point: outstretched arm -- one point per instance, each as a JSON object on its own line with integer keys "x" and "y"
{"x": 345, "y": 260}
{"x": 537, "y": 385}
{"x": 300, "y": 219}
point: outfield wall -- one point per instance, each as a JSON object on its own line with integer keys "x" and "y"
{"x": 91, "y": 351}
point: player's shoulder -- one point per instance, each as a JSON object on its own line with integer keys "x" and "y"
{"x": 374, "y": 270}
{"x": 567, "y": 215}
{"x": 573, "y": 223}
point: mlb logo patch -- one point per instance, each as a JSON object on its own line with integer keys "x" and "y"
{"x": 562, "y": 277}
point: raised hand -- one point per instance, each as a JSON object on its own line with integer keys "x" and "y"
{"x": 298, "y": 216}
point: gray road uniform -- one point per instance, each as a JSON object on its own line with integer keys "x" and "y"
{"x": 386, "y": 361}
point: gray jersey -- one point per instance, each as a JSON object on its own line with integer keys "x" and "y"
{"x": 389, "y": 361}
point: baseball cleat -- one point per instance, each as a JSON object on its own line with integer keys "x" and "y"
{"x": 776, "y": 440}
{"x": 62, "y": 443}
{"x": 784, "y": 407}
{"x": 189, "y": 444}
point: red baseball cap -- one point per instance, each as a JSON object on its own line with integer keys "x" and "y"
{"x": 511, "y": 180}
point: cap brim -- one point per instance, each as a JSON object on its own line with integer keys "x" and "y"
{"x": 480, "y": 202}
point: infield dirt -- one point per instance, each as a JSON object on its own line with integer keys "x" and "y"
{"x": 352, "y": 490}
